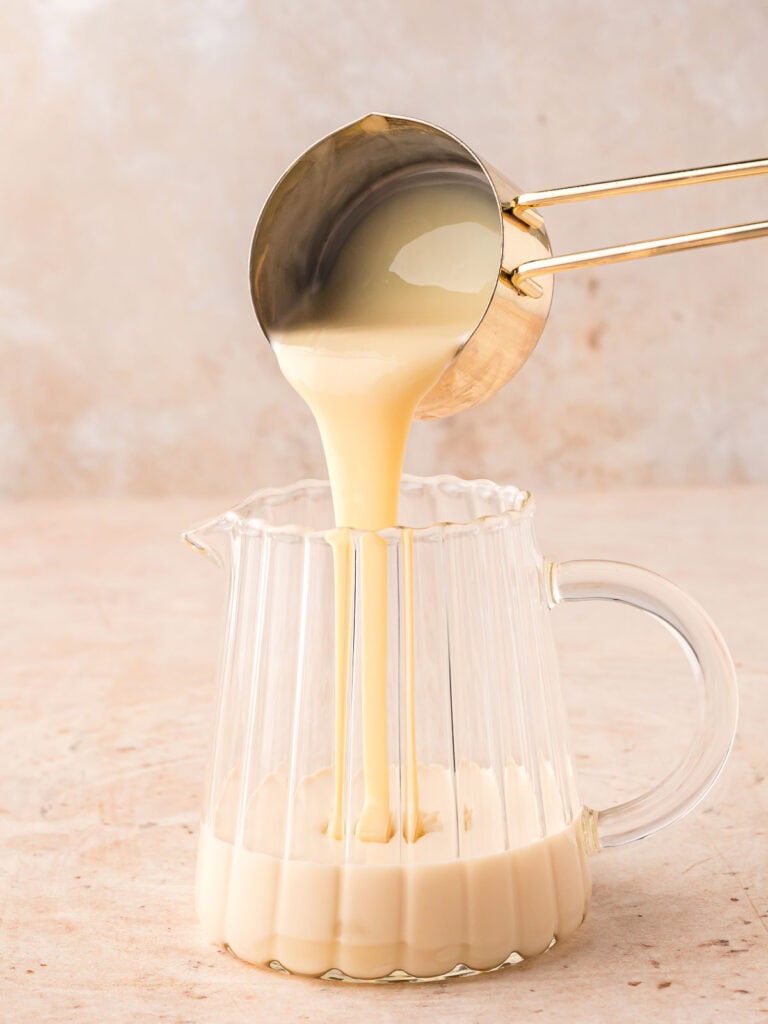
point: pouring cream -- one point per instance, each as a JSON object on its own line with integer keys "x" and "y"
{"x": 407, "y": 288}
{"x": 409, "y": 285}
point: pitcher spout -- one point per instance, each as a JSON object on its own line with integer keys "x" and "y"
{"x": 211, "y": 538}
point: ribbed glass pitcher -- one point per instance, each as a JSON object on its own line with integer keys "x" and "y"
{"x": 496, "y": 870}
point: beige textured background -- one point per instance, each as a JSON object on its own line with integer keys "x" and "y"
{"x": 139, "y": 140}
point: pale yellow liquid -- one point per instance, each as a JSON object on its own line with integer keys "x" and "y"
{"x": 367, "y": 910}
{"x": 409, "y": 286}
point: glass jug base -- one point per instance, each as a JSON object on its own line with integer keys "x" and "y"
{"x": 459, "y": 971}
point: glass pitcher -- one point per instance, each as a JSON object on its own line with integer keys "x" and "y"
{"x": 497, "y": 870}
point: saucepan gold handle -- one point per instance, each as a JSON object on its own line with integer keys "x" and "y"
{"x": 523, "y": 207}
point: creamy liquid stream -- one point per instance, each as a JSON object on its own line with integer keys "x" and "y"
{"x": 408, "y": 287}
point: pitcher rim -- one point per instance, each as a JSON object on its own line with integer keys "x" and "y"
{"x": 518, "y": 506}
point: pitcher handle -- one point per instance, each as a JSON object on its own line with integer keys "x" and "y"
{"x": 692, "y": 778}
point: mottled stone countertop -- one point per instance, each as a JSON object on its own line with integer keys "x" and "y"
{"x": 108, "y": 642}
